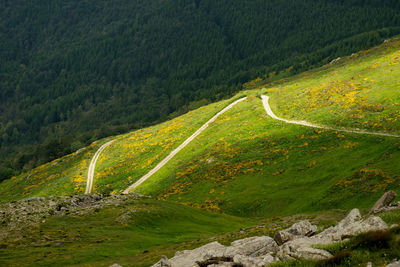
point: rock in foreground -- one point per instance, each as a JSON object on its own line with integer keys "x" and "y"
{"x": 295, "y": 243}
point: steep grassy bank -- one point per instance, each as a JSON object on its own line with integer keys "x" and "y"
{"x": 63, "y": 176}
{"x": 360, "y": 91}
{"x": 125, "y": 161}
{"x": 248, "y": 164}
{"x": 136, "y": 233}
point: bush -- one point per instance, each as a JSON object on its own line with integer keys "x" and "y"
{"x": 374, "y": 240}
{"x": 338, "y": 259}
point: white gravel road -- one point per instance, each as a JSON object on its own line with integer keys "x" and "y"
{"x": 179, "y": 148}
{"x": 265, "y": 100}
{"x": 92, "y": 166}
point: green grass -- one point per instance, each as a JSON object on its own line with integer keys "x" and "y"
{"x": 361, "y": 91}
{"x": 63, "y": 176}
{"x": 247, "y": 164}
{"x": 126, "y": 160}
{"x": 135, "y": 234}
{"x": 136, "y": 153}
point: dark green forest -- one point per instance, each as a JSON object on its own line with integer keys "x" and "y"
{"x": 73, "y": 71}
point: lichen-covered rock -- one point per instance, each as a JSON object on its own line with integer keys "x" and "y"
{"x": 352, "y": 225}
{"x": 394, "y": 264}
{"x": 353, "y": 217}
{"x": 383, "y": 202}
{"x": 301, "y": 248}
{"x": 314, "y": 254}
{"x": 190, "y": 258}
{"x": 252, "y": 246}
{"x": 223, "y": 264}
{"x": 300, "y": 229}
{"x": 247, "y": 261}
{"x": 163, "y": 262}
{"x": 297, "y": 243}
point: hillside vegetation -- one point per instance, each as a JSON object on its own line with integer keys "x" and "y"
{"x": 134, "y": 232}
{"x": 248, "y": 164}
{"x": 131, "y": 156}
{"x": 75, "y": 71}
{"x": 236, "y": 179}
{"x": 360, "y": 91}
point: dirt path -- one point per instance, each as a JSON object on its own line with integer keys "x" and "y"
{"x": 179, "y": 148}
{"x": 265, "y": 100}
{"x": 92, "y": 166}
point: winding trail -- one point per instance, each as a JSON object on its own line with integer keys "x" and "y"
{"x": 92, "y": 166}
{"x": 179, "y": 148}
{"x": 265, "y": 100}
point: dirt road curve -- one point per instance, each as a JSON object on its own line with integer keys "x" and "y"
{"x": 265, "y": 100}
{"x": 92, "y": 166}
{"x": 179, "y": 148}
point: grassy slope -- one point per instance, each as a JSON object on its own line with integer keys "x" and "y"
{"x": 136, "y": 153}
{"x": 359, "y": 91}
{"x": 250, "y": 165}
{"x": 244, "y": 164}
{"x": 130, "y": 234}
{"x": 131, "y": 156}
{"x": 63, "y": 176}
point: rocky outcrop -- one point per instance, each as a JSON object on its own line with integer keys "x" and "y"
{"x": 295, "y": 242}
{"x": 394, "y": 264}
{"x": 301, "y": 249}
{"x": 28, "y": 212}
{"x": 210, "y": 252}
{"x": 350, "y": 226}
{"x": 252, "y": 246}
{"x": 248, "y": 252}
{"x": 300, "y": 229}
{"x": 384, "y": 204}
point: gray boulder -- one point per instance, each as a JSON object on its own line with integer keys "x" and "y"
{"x": 314, "y": 254}
{"x": 301, "y": 248}
{"x": 394, "y": 264}
{"x": 300, "y": 229}
{"x": 352, "y": 225}
{"x": 260, "y": 261}
{"x": 222, "y": 264}
{"x": 190, "y": 258}
{"x": 163, "y": 262}
{"x": 383, "y": 202}
{"x": 252, "y": 246}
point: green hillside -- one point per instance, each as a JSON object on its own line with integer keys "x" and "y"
{"x": 238, "y": 178}
{"x": 74, "y": 71}
{"x": 132, "y": 155}
{"x": 361, "y": 91}
{"x": 134, "y": 233}
{"x": 248, "y": 164}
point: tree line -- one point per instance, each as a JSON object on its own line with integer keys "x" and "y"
{"x": 73, "y": 71}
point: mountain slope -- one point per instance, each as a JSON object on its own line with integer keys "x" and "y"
{"x": 75, "y": 71}
{"x": 251, "y": 165}
{"x": 134, "y": 231}
{"x": 247, "y": 163}
{"x": 360, "y": 91}
{"x": 130, "y": 156}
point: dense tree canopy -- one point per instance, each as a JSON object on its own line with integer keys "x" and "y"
{"x": 72, "y": 71}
